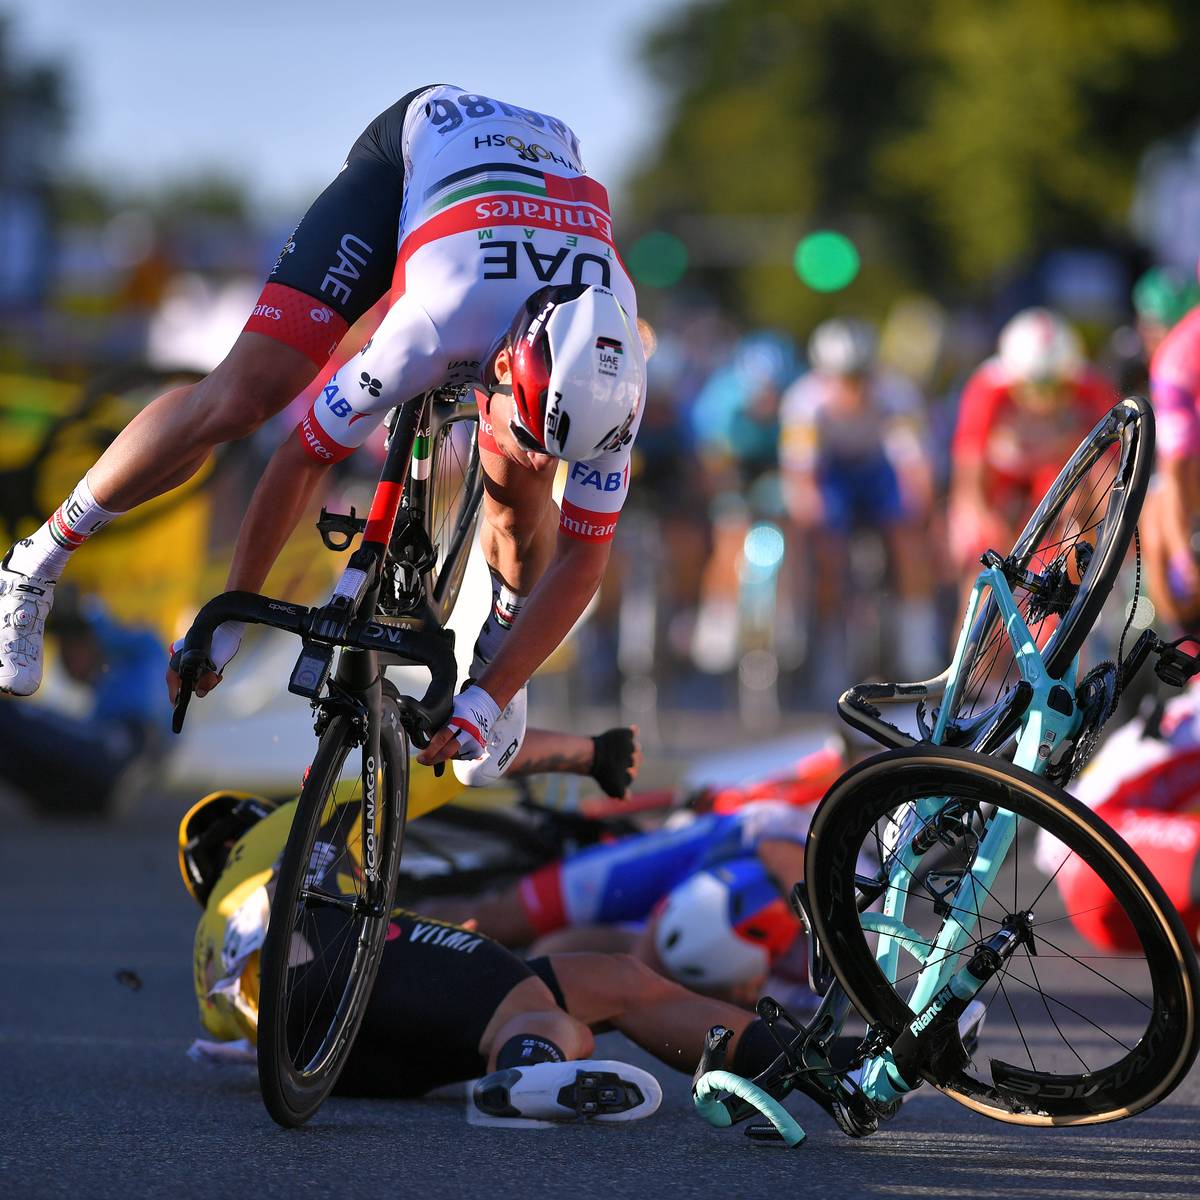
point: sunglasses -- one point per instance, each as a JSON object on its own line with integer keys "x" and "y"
{"x": 521, "y": 435}
{"x": 524, "y": 438}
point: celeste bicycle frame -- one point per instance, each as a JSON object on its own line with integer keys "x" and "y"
{"x": 1048, "y": 717}
{"x": 1042, "y": 714}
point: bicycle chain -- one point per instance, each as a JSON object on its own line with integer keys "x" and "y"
{"x": 1088, "y": 739}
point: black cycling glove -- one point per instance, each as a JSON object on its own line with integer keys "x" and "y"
{"x": 612, "y": 766}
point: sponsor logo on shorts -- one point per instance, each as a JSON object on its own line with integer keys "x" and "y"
{"x": 269, "y": 311}
{"x": 321, "y": 314}
{"x": 447, "y": 936}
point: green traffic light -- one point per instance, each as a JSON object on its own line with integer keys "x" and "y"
{"x": 826, "y": 261}
{"x": 658, "y": 259}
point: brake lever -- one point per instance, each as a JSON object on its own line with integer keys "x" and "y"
{"x": 189, "y": 665}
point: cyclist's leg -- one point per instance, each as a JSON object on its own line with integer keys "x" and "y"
{"x": 661, "y": 1016}
{"x": 442, "y": 998}
{"x": 530, "y": 1010}
{"x": 336, "y": 265}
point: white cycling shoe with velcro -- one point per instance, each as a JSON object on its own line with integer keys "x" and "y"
{"x": 586, "y": 1089}
{"x": 25, "y": 602}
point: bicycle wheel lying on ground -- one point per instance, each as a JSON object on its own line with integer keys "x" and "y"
{"x": 1073, "y": 548}
{"x": 325, "y": 939}
{"x": 1074, "y": 1035}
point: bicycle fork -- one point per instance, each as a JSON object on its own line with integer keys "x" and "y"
{"x": 930, "y": 1042}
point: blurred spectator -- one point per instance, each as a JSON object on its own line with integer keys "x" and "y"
{"x": 1021, "y": 416}
{"x": 95, "y": 764}
{"x": 1172, "y": 516}
{"x": 855, "y": 456}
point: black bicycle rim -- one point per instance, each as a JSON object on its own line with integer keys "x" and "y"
{"x": 1115, "y": 1039}
{"x": 320, "y": 960}
{"x": 454, "y": 489}
{"x": 1105, "y": 513}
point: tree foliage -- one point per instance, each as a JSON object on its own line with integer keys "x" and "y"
{"x": 950, "y": 137}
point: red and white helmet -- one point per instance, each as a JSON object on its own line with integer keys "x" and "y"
{"x": 1038, "y": 346}
{"x": 724, "y": 925}
{"x": 578, "y": 372}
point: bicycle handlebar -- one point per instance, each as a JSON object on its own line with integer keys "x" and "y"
{"x": 709, "y": 1090}
{"x": 422, "y": 717}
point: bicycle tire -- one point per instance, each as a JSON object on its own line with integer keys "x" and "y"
{"x": 453, "y": 491}
{"x": 293, "y": 1090}
{"x": 1131, "y": 424}
{"x": 1148, "y": 1070}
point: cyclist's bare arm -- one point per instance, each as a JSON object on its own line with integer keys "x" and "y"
{"x": 783, "y": 860}
{"x": 555, "y": 604}
{"x": 1179, "y": 487}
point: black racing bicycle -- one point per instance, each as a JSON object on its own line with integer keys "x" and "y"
{"x": 336, "y": 881}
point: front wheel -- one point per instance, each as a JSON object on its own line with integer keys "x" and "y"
{"x": 328, "y": 927}
{"x": 1076, "y": 1032}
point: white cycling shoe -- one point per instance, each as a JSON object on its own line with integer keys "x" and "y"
{"x": 587, "y": 1090}
{"x": 25, "y": 602}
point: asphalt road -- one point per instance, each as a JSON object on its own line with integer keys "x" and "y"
{"x": 99, "y": 1098}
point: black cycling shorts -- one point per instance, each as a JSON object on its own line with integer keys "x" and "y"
{"x": 343, "y": 252}
{"x": 438, "y": 987}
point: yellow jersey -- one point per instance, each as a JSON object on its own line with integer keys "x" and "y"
{"x": 229, "y": 937}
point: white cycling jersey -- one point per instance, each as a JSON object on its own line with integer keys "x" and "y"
{"x": 496, "y": 205}
{"x": 814, "y": 428}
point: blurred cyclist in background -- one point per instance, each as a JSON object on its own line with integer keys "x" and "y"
{"x": 1172, "y": 515}
{"x": 854, "y": 456}
{"x": 1160, "y": 297}
{"x": 736, "y": 423}
{"x": 1021, "y": 416}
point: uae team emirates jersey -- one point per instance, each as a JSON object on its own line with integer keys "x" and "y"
{"x": 496, "y": 205}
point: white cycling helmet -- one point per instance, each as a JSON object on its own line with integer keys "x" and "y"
{"x": 842, "y": 346}
{"x": 724, "y": 926}
{"x": 578, "y": 372}
{"x": 1038, "y": 346}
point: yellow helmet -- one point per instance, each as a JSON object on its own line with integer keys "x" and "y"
{"x": 208, "y": 832}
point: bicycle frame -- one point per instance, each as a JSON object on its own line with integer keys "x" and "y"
{"x": 1041, "y": 711}
{"x": 347, "y": 621}
{"x": 1050, "y": 719}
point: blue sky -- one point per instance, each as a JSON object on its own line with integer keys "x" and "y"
{"x": 274, "y": 91}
